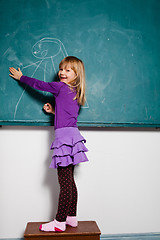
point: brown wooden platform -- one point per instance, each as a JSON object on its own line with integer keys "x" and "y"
{"x": 86, "y": 230}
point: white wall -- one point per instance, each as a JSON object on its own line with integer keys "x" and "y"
{"x": 118, "y": 187}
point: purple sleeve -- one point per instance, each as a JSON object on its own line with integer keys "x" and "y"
{"x": 52, "y": 87}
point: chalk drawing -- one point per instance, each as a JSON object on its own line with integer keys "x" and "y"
{"x": 146, "y": 111}
{"x": 46, "y": 51}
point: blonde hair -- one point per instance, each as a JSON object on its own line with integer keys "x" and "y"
{"x": 79, "y": 82}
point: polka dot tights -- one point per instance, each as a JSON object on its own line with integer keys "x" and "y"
{"x": 67, "y": 205}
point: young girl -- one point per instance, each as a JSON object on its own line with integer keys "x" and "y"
{"x": 68, "y": 146}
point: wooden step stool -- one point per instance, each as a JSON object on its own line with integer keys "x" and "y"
{"x": 86, "y": 230}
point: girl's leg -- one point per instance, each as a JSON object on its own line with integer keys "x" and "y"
{"x": 67, "y": 208}
{"x": 65, "y": 178}
{"x": 65, "y": 198}
{"x": 73, "y": 206}
{"x": 71, "y": 218}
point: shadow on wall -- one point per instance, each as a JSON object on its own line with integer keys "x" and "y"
{"x": 51, "y": 179}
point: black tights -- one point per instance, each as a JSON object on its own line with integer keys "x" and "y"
{"x": 68, "y": 193}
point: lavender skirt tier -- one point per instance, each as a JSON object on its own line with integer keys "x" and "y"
{"x": 68, "y": 147}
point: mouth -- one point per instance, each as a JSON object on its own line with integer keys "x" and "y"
{"x": 63, "y": 78}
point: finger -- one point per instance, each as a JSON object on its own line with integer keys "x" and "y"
{"x": 12, "y": 76}
{"x": 45, "y": 107}
{"x": 12, "y": 70}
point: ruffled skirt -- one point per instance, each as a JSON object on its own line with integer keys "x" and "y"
{"x": 68, "y": 147}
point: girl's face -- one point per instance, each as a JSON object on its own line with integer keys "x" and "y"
{"x": 66, "y": 74}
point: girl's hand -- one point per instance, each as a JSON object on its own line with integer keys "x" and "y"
{"x": 16, "y": 74}
{"x": 48, "y": 108}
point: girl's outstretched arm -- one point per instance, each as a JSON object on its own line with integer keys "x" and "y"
{"x": 16, "y": 74}
{"x": 52, "y": 87}
{"x": 48, "y": 108}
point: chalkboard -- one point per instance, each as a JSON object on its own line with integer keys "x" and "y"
{"x": 118, "y": 40}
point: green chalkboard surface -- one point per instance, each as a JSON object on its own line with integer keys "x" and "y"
{"x": 118, "y": 40}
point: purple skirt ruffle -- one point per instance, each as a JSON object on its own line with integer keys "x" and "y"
{"x": 68, "y": 147}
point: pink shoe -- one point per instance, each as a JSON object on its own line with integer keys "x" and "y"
{"x": 72, "y": 221}
{"x": 53, "y": 226}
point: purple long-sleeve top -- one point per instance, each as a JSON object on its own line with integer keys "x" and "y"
{"x": 66, "y": 109}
